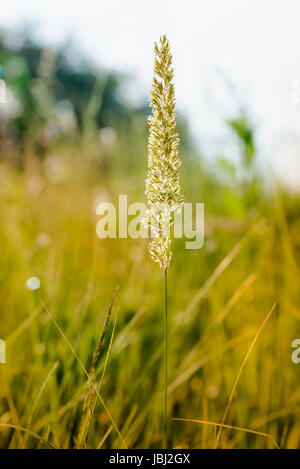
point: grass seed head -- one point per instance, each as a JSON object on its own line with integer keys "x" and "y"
{"x": 162, "y": 184}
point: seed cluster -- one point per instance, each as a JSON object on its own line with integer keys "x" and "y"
{"x": 162, "y": 184}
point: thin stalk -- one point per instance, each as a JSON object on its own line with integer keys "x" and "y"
{"x": 165, "y": 362}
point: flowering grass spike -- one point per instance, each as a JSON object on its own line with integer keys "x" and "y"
{"x": 162, "y": 183}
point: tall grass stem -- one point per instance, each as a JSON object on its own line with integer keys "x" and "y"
{"x": 165, "y": 360}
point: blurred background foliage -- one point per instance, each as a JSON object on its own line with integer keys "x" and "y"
{"x": 69, "y": 139}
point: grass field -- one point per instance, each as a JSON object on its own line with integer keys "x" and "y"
{"x": 219, "y": 297}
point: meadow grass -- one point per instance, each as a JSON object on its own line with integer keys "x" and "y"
{"x": 218, "y": 298}
{"x": 163, "y": 188}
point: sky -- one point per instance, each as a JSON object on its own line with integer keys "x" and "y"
{"x": 227, "y": 54}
